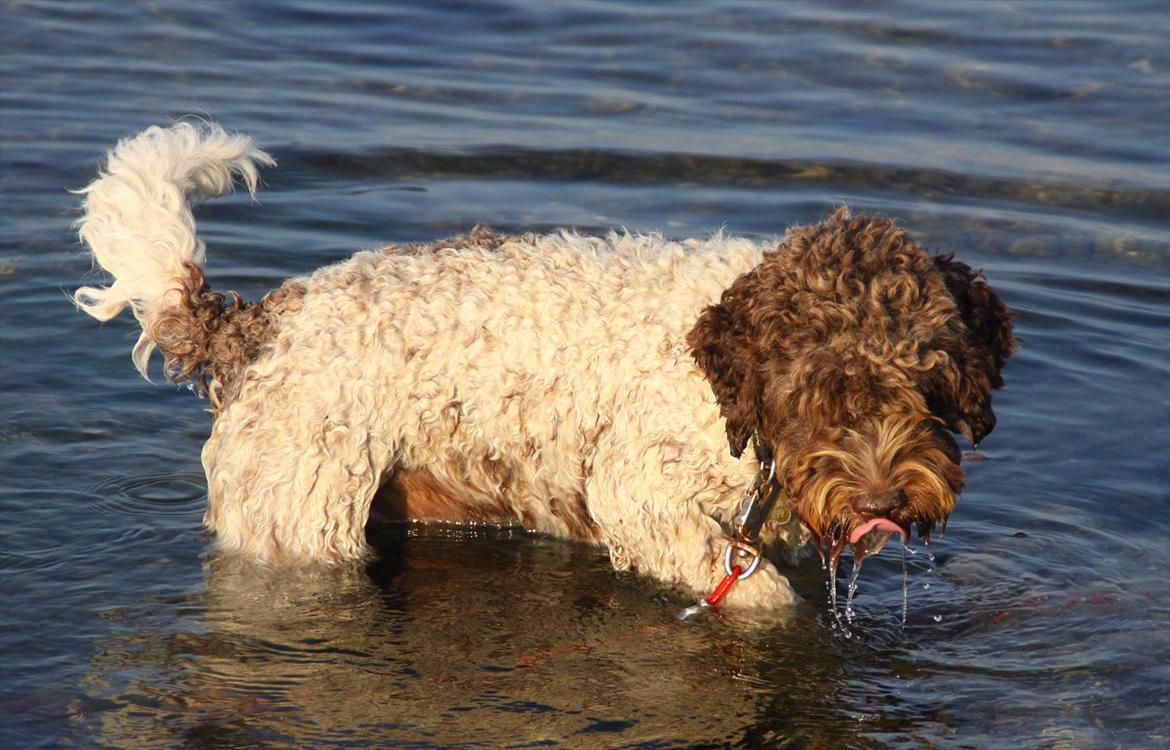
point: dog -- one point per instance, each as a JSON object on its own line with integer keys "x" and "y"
{"x": 605, "y": 390}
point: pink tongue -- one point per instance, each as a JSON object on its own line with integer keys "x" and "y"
{"x": 875, "y": 524}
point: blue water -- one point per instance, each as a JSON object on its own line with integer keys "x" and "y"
{"x": 1033, "y": 139}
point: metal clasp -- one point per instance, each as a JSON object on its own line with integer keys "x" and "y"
{"x": 746, "y": 552}
{"x": 753, "y": 507}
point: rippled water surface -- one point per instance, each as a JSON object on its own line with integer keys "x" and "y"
{"x": 1030, "y": 138}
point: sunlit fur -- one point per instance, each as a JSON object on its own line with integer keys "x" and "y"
{"x": 852, "y": 352}
{"x": 595, "y": 388}
{"x": 899, "y": 452}
{"x": 138, "y": 223}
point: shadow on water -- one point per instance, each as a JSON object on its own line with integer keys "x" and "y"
{"x": 1031, "y": 218}
{"x": 665, "y": 168}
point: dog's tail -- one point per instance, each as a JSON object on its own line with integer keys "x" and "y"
{"x": 138, "y": 224}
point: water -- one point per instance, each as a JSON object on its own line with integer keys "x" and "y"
{"x": 1030, "y": 138}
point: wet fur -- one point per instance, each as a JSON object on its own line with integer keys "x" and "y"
{"x": 600, "y": 389}
{"x": 853, "y": 353}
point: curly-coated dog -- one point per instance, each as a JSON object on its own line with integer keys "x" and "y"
{"x": 600, "y": 389}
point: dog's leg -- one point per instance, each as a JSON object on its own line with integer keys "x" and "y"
{"x": 280, "y": 493}
{"x": 646, "y": 496}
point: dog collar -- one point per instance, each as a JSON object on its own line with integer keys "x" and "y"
{"x": 765, "y": 499}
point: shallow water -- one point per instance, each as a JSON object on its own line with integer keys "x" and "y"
{"x": 1031, "y": 139}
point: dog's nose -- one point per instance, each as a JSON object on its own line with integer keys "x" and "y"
{"x": 873, "y": 504}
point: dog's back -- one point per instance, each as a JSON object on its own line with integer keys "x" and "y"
{"x": 494, "y": 365}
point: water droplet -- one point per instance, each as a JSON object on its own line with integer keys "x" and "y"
{"x": 852, "y": 587}
{"x": 833, "y": 590}
{"x": 905, "y": 595}
{"x": 833, "y": 597}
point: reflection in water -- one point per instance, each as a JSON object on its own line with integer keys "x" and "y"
{"x": 448, "y": 641}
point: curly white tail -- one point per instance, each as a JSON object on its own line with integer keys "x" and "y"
{"x": 137, "y": 218}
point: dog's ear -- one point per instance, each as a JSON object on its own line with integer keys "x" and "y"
{"x": 986, "y": 316}
{"x": 722, "y": 347}
{"x": 989, "y": 322}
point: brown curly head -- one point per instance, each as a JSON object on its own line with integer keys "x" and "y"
{"x": 852, "y": 353}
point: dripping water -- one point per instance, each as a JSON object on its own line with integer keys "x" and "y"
{"x": 844, "y": 617}
{"x": 830, "y": 554}
{"x": 833, "y": 599}
{"x": 851, "y": 588}
{"x": 905, "y": 595}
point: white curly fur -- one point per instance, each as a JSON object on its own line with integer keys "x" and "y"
{"x": 137, "y": 216}
{"x": 558, "y": 362}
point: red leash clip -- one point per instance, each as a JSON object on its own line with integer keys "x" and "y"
{"x": 735, "y": 573}
{"x": 752, "y": 513}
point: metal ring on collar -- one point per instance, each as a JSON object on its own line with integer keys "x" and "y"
{"x": 771, "y": 467}
{"x": 751, "y": 568}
